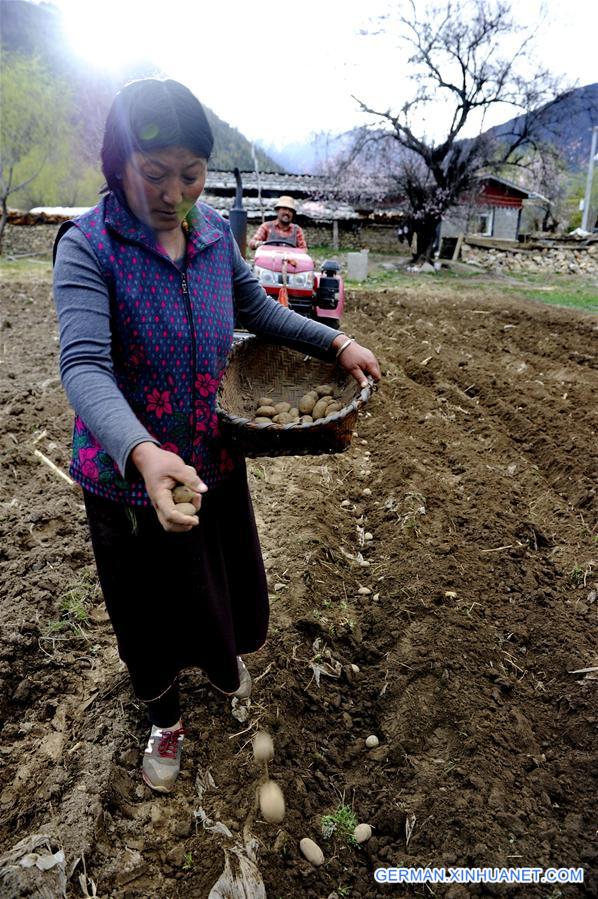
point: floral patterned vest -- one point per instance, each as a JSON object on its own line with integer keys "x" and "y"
{"x": 172, "y": 330}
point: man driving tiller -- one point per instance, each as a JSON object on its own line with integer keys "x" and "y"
{"x": 282, "y": 227}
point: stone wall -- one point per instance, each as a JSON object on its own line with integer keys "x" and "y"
{"x": 355, "y": 236}
{"x": 29, "y": 240}
{"x": 37, "y": 240}
{"x": 559, "y": 260}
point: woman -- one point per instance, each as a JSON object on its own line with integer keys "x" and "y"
{"x": 147, "y": 287}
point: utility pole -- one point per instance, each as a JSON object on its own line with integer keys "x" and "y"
{"x": 588, "y": 196}
{"x": 259, "y": 183}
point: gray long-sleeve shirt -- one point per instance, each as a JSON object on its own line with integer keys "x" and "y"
{"x": 83, "y": 306}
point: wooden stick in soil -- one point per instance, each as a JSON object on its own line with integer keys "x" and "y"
{"x": 53, "y": 467}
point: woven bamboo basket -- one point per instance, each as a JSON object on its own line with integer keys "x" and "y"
{"x": 255, "y": 369}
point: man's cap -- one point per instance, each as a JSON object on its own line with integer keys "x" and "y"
{"x": 286, "y": 201}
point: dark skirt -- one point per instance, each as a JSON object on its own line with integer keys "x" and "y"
{"x": 197, "y": 599}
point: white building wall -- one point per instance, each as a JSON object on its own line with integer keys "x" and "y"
{"x": 506, "y": 223}
{"x": 485, "y": 221}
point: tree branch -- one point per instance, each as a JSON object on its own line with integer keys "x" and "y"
{"x": 13, "y": 190}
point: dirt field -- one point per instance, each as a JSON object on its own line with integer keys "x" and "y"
{"x": 451, "y": 554}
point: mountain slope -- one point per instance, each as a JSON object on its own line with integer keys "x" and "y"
{"x": 566, "y": 123}
{"x": 37, "y": 30}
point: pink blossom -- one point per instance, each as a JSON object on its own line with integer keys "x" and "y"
{"x": 88, "y": 467}
{"x": 136, "y": 354}
{"x": 206, "y": 384}
{"x": 203, "y": 410}
{"x": 158, "y": 402}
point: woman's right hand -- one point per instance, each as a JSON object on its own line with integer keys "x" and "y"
{"x": 162, "y": 471}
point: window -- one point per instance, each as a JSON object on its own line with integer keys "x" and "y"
{"x": 485, "y": 223}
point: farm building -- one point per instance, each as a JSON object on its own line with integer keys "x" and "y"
{"x": 494, "y": 211}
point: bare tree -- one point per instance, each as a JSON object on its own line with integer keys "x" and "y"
{"x": 34, "y": 125}
{"x": 457, "y": 62}
{"x": 544, "y": 174}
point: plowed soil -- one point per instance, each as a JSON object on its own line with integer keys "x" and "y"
{"x": 451, "y": 554}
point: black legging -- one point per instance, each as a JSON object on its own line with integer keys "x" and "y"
{"x": 166, "y": 710}
{"x": 178, "y": 601}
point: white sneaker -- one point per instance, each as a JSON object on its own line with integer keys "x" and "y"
{"x": 245, "y": 685}
{"x": 162, "y": 758}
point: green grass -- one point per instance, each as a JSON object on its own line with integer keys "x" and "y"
{"x": 572, "y": 291}
{"x": 73, "y": 607}
{"x": 25, "y": 269}
{"x": 379, "y": 279}
{"x": 341, "y": 823}
{"x": 576, "y": 291}
{"x": 579, "y": 575}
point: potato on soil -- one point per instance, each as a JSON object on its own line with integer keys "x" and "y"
{"x": 362, "y": 833}
{"x": 307, "y": 402}
{"x": 186, "y": 508}
{"x": 272, "y": 802}
{"x": 281, "y": 407}
{"x": 266, "y": 411}
{"x": 324, "y": 390}
{"x": 311, "y": 851}
{"x": 263, "y": 746}
{"x": 319, "y": 410}
{"x": 182, "y": 494}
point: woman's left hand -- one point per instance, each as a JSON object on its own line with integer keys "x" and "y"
{"x": 357, "y": 360}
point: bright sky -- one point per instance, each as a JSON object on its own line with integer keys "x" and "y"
{"x": 280, "y": 71}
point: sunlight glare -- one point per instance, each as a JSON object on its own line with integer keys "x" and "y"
{"x": 114, "y": 34}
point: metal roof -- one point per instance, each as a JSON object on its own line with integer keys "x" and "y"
{"x": 277, "y": 182}
{"x": 314, "y": 195}
{"x": 527, "y": 194}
